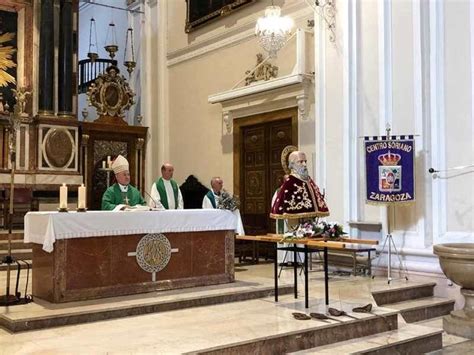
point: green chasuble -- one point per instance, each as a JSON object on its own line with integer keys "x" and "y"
{"x": 160, "y": 186}
{"x": 113, "y": 196}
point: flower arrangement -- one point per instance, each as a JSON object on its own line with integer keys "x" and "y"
{"x": 228, "y": 202}
{"x": 315, "y": 229}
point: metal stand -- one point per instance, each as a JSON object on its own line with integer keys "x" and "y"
{"x": 389, "y": 240}
{"x": 9, "y": 299}
{"x": 298, "y": 263}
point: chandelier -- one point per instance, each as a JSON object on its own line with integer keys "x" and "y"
{"x": 272, "y": 30}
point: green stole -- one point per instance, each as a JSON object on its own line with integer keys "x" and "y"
{"x": 211, "y": 197}
{"x": 160, "y": 186}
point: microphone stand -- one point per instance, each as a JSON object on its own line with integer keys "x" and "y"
{"x": 154, "y": 201}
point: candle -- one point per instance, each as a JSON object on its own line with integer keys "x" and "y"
{"x": 81, "y": 197}
{"x": 109, "y": 161}
{"x": 63, "y": 197}
{"x": 103, "y": 164}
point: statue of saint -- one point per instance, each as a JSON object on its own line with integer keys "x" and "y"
{"x": 298, "y": 196}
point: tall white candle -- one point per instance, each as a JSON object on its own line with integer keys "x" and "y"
{"x": 63, "y": 196}
{"x": 81, "y": 197}
{"x": 103, "y": 164}
{"x": 109, "y": 161}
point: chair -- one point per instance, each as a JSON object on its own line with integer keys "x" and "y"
{"x": 193, "y": 192}
{"x": 23, "y": 202}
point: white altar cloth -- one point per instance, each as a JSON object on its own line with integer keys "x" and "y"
{"x": 47, "y": 227}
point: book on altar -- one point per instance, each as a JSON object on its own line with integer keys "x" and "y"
{"x": 137, "y": 208}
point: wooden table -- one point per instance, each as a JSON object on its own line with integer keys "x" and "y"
{"x": 308, "y": 246}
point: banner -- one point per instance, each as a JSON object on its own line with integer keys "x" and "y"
{"x": 389, "y": 166}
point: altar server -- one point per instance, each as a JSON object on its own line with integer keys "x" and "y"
{"x": 121, "y": 195}
{"x": 165, "y": 193}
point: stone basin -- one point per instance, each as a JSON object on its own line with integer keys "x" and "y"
{"x": 457, "y": 263}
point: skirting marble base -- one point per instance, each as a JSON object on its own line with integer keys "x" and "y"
{"x": 458, "y": 323}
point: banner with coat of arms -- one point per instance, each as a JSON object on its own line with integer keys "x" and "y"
{"x": 389, "y": 165}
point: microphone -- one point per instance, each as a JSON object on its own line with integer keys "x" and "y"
{"x": 461, "y": 167}
{"x": 154, "y": 201}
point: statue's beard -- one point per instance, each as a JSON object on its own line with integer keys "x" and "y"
{"x": 302, "y": 171}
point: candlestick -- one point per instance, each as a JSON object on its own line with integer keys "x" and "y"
{"x": 63, "y": 197}
{"x": 81, "y": 197}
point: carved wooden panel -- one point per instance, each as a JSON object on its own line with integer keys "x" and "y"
{"x": 101, "y": 140}
{"x": 102, "y": 149}
{"x": 261, "y": 173}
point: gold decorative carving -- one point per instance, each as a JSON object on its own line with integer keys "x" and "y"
{"x": 111, "y": 95}
{"x": 139, "y": 144}
{"x": 284, "y": 157}
{"x": 85, "y": 140}
{"x": 104, "y": 148}
{"x": 58, "y": 148}
{"x": 255, "y": 184}
{"x": 262, "y": 71}
{"x": 20, "y": 97}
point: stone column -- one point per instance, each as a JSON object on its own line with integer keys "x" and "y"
{"x": 65, "y": 59}
{"x": 46, "y": 59}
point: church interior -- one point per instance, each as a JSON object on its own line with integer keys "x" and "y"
{"x": 236, "y": 176}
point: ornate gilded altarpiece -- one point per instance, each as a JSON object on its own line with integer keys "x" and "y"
{"x": 110, "y": 135}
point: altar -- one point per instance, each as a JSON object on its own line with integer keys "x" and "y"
{"x": 81, "y": 256}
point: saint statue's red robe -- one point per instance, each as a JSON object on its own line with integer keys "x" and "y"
{"x": 299, "y": 199}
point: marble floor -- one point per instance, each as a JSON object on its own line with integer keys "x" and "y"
{"x": 192, "y": 329}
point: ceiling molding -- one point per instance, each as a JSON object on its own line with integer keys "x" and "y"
{"x": 231, "y": 37}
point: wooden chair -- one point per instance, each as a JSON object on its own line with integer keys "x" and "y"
{"x": 23, "y": 202}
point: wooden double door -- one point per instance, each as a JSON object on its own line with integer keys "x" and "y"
{"x": 261, "y": 141}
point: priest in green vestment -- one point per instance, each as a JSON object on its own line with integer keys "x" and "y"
{"x": 211, "y": 199}
{"x": 165, "y": 193}
{"x": 121, "y": 195}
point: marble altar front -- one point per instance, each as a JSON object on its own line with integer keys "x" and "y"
{"x": 81, "y": 256}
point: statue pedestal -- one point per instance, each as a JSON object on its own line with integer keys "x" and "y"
{"x": 461, "y": 322}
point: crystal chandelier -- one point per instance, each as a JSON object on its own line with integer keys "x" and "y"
{"x": 273, "y": 30}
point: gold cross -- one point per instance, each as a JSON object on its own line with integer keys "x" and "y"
{"x": 125, "y": 198}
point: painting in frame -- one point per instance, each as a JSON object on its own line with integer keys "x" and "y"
{"x": 202, "y": 12}
{"x": 8, "y": 59}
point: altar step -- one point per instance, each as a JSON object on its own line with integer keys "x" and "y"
{"x": 3, "y": 267}
{"x": 397, "y": 293}
{"x": 311, "y": 333}
{"x": 415, "y": 302}
{"x": 409, "y": 339}
{"x": 14, "y": 236}
{"x": 20, "y": 250}
{"x": 41, "y": 314}
{"x": 16, "y": 244}
{"x": 23, "y": 254}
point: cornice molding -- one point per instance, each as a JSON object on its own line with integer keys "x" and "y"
{"x": 231, "y": 37}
